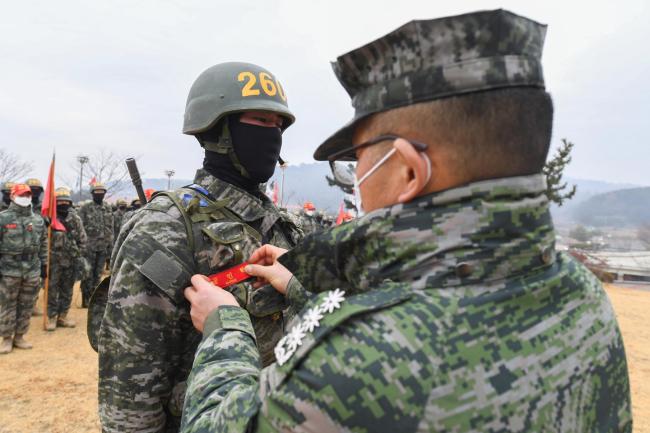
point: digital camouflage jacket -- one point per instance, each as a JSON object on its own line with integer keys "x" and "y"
{"x": 449, "y": 313}
{"x": 69, "y": 245}
{"x": 98, "y": 223}
{"x": 146, "y": 341}
{"x": 23, "y": 242}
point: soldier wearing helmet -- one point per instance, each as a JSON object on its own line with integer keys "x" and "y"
{"x": 23, "y": 254}
{"x": 238, "y": 112}
{"x": 6, "y": 195}
{"x": 97, "y": 219}
{"x": 36, "y": 187}
{"x": 118, "y": 216}
{"x": 67, "y": 248}
{"x": 308, "y": 217}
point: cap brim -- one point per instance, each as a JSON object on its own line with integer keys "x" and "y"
{"x": 338, "y": 141}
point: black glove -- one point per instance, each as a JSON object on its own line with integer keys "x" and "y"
{"x": 43, "y": 271}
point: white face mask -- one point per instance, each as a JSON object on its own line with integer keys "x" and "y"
{"x": 23, "y": 201}
{"x": 358, "y": 182}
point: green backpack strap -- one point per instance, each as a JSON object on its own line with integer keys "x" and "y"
{"x": 186, "y": 218}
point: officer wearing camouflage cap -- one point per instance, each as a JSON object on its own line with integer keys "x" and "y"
{"x": 67, "y": 247}
{"x": 238, "y": 112}
{"x": 446, "y": 307}
{"x": 97, "y": 219}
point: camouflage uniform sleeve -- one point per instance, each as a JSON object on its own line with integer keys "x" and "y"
{"x": 80, "y": 234}
{"x": 222, "y": 388}
{"x": 146, "y": 331}
{"x": 297, "y": 296}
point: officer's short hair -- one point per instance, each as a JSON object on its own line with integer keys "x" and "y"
{"x": 490, "y": 134}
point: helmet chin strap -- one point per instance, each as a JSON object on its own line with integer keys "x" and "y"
{"x": 225, "y": 147}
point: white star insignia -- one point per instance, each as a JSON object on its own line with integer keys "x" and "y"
{"x": 288, "y": 344}
{"x": 332, "y": 301}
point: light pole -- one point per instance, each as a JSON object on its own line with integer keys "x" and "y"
{"x": 283, "y": 166}
{"x": 169, "y": 174}
{"x": 83, "y": 159}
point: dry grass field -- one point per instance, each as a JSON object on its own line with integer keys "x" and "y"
{"x": 53, "y": 387}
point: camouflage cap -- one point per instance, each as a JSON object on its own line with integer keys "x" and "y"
{"x": 431, "y": 59}
{"x": 121, "y": 202}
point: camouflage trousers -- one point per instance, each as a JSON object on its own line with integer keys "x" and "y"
{"x": 59, "y": 294}
{"x": 17, "y": 296}
{"x": 97, "y": 261}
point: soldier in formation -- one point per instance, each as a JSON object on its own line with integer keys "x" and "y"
{"x": 23, "y": 255}
{"x": 446, "y": 307}
{"x": 146, "y": 339}
{"x": 97, "y": 219}
{"x": 6, "y": 195}
{"x": 308, "y": 218}
{"x": 118, "y": 217}
{"x": 133, "y": 208}
{"x": 36, "y": 187}
{"x": 66, "y": 248}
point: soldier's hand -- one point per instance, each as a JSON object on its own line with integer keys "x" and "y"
{"x": 265, "y": 266}
{"x": 204, "y": 298}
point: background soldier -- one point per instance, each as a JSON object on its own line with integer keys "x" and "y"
{"x": 147, "y": 342}
{"x": 446, "y": 308}
{"x": 118, "y": 216}
{"x": 66, "y": 247}
{"x": 36, "y": 187}
{"x": 308, "y": 217}
{"x": 6, "y": 195}
{"x": 133, "y": 208}
{"x": 23, "y": 255}
{"x": 97, "y": 220}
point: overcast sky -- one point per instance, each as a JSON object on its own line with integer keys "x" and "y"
{"x": 86, "y": 75}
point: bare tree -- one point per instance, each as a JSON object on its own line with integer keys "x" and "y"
{"x": 105, "y": 166}
{"x": 12, "y": 168}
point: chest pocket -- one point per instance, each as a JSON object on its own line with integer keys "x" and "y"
{"x": 13, "y": 238}
{"x": 58, "y": 240}
{"x": 233, "y": 242}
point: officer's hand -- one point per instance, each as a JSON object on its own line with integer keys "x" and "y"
{"x": 265, "y": 266}
{"x": 205, "y": 297}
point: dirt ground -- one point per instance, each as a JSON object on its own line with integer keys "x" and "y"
{"x": 53, "y": 387}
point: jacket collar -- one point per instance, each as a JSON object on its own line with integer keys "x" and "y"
{"x": 481, "y": 232}
{"x": 245, "y": 205}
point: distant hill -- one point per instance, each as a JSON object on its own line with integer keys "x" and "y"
{"x": 307, "y": 182}
{"x": 626, "y": 207}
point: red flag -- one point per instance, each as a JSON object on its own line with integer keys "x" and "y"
{"x": 93, "y": 181}
{"x": 341, "y": 217}
{"x": 49, "y": 201}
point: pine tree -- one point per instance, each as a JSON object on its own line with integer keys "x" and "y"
{"x": 556, "y": 189}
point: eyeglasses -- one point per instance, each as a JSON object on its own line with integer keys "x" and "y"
{"x": 343, "y": 162}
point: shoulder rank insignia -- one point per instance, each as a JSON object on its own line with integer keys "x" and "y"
{"x": 288, "y": 344}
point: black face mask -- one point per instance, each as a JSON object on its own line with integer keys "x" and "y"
{"x": 136, "y": 206}
{"x": 98, "y": 198}
{"x": 62, "y": 211}
{"x": 121, "y": 207}
{"x": 256, "y": 147}
{"x": 6, "y": 197}
{"x": 36, "y": 195}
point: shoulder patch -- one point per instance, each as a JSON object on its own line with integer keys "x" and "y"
{"x": 328, "y": 311}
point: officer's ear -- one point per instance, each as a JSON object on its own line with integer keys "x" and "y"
{"x": 415, "y": 172}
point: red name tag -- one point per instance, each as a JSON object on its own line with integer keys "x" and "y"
{"x": 230, "y": 276}
{"x": 11, "y": 226}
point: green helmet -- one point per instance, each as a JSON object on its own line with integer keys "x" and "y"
{"x": 97, "y": 186}
{"x": 233, "y": 87}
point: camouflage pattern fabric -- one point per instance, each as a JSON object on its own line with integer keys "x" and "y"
{"x": 449, "y": 313}
{"x": 425, "y": 60}
{"x": 118, "y": 217}
{"x": 23, "y": 249}
{"x": 309, "y": 223}
{"x": 67, "y": 247}
{"x": 146, "y": 340}
{"x": 98, "y": 224}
